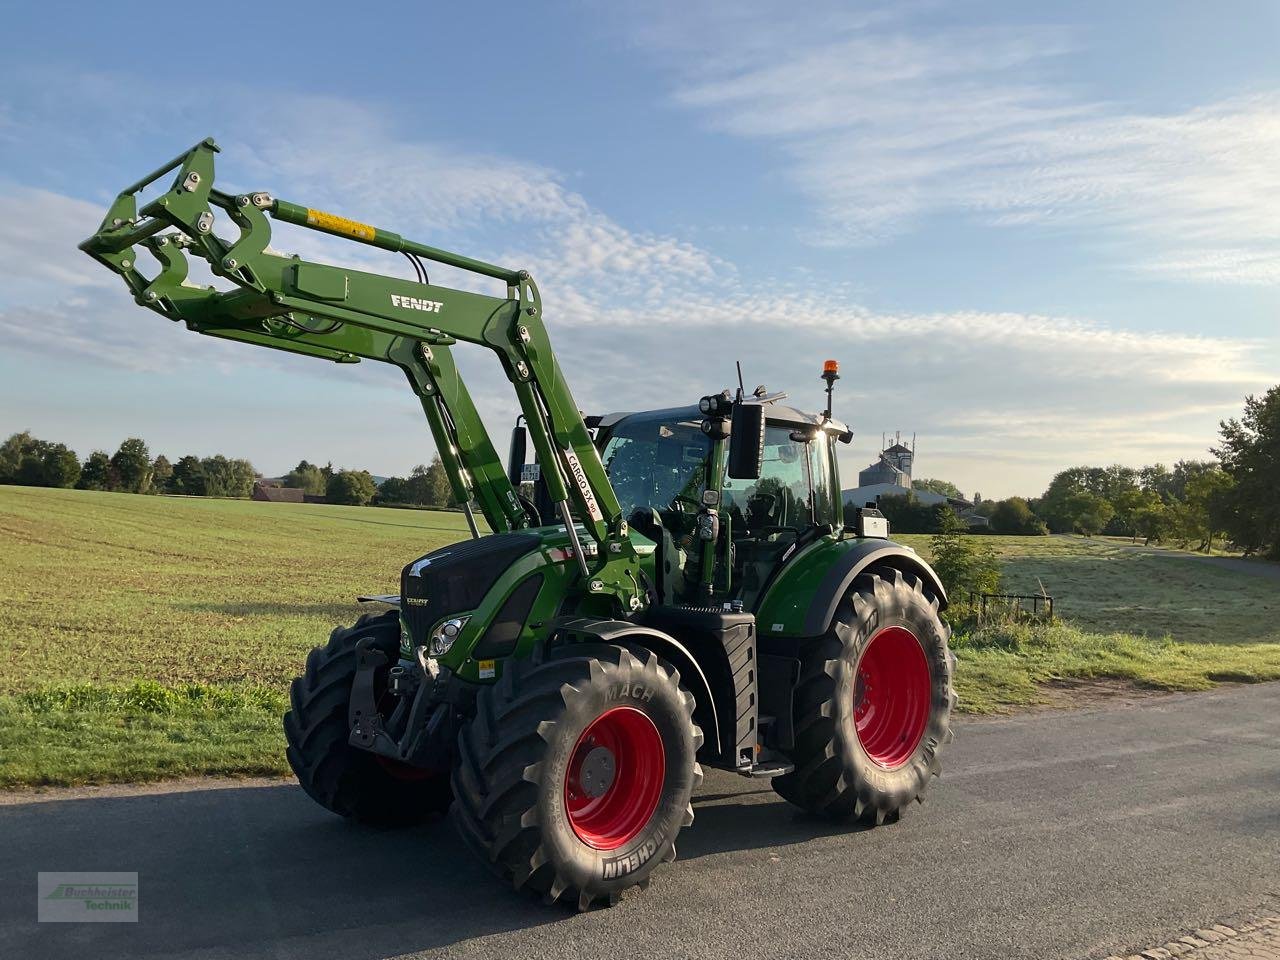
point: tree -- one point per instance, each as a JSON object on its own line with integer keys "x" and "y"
{"x": 95, "y": 473}
{"x": 161, "y": 474}
{"x": 1152, "y": 520}
{"x": 1089, "y": 512}
{"x": 37, "y": 463}
{"x": 438, "y": 484}
{"x": 1209, "y": 503}
{"x": 944, "y": 487}
{"x": 1063, "y": 507}
{"x": 1157, "y": 479}
{"x": 60, "y": 466}
{"x": 132, "y": 465}
{"x": 308, "y": 478}
{"x": 11, "y": 453}
{"x": 429, "y": 486}
{"x": 188, "y": 477}
{"x": 963, "y": 563}
{"x": 31, "y": 468}
{"x": 354, "y": 487}
{"x": 1126, "y": 504}
{"x": 393, "y": 490}
{"x": 1250, "y": 454}
{"x": 227, "y": 478}
{"x": 1015, "y": 517}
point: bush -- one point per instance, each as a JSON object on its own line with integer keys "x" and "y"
{"x": 354, "y": 487}
{"x": 965, "y": 565}
{"x": 1014, "y": 517}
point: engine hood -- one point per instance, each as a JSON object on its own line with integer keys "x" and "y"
{"x": 456, "y": 578}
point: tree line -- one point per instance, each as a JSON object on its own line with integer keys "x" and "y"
{"x": 1233, "y": 497}
{"x": 426, "y": 486}
{"x": 30, "y": 461}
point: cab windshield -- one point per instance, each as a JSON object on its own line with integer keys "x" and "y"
{"x": 656, "y": 459}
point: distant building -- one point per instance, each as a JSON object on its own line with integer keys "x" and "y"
{"x": 893, "y": 467}
{"x": 890, "y": 476}
{"x": 270, "y": 493}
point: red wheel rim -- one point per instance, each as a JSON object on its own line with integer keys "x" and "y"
{"x": 615, "y": 778}
{"x": 891, "y": 696}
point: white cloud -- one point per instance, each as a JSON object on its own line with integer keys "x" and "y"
{"x": 642, "y": 321}
{"x": 39, "y": 231}
{"x": 883, "y": 124}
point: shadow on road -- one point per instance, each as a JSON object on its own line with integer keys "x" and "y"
{"x": 262, "y": 870}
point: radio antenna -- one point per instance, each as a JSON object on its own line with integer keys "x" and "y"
{"x": 742, "y": 391}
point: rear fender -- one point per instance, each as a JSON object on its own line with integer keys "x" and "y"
{"x": 692, "y": 678}
{"x": 802, "y": 601}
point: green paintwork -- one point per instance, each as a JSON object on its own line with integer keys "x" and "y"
{"x": 343, "y": 315}
{"x": 782, "y": 609}
{"x": 558, "y": 570}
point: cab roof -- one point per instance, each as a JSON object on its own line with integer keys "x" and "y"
{"x": 774, "y": 413}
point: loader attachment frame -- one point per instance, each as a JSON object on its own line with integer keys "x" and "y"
{"x": 343, "y": 315}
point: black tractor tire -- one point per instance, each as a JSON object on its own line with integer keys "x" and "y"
{"x": 351, "y": 782}
{"x": 872, "y": 775}
{"x": 521, "y": 770}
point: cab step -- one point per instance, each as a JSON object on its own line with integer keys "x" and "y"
{"x": 770, "y": 768}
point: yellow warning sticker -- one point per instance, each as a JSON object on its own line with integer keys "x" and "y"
{"x": 486, "y": 669}
{"x": 336, "y": 224}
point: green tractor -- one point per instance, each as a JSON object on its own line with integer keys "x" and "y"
{"x": 657, "y": 592}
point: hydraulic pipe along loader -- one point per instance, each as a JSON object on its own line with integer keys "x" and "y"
{"x": 658, "y": 592}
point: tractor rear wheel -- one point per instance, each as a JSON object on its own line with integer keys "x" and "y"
{"x": 575, "y": 775}
{"x": 351, "y": 782}
{"x": 873, "y": 703}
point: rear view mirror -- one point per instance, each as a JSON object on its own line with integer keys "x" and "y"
{"x": 515, "y": 459}
{"x": 746, "y": 442}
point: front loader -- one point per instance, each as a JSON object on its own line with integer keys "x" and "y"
{"x": 659, "y": 591}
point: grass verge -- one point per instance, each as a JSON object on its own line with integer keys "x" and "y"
{"x": 1003, "y": 665}
{"x": 70, "y": 735}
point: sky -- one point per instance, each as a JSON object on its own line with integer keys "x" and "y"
{"x": 1034, "y": 236}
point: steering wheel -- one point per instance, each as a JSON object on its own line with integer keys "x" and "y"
{"x": 530, "y": 510}
{"x": 756, "y": 533}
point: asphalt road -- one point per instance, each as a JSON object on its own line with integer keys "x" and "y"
{"x": 1058, "y": 834}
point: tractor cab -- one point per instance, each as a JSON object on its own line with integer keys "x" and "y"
{"x": 663, "y": 466}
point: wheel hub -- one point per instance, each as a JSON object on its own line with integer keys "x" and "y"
{"x": 891, "y": 696}
{"x": 597, "y": 771}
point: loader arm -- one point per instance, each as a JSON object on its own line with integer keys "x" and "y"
{"x": 314, "y": 309}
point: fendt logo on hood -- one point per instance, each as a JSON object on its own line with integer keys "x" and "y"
{"x": 413, "y": 303}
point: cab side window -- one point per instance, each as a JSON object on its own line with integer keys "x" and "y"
{"x": 780, "y": 499}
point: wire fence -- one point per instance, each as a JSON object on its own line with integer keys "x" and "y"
{"x": 1037, "y": 606}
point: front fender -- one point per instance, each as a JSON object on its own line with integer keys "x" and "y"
{"x": 670, "y": 649}
{"x": 802, "y": 600}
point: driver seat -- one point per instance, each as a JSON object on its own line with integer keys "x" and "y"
{"x": 669, "y": 557}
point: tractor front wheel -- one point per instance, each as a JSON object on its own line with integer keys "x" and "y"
{"x": 873, "y": 703}
{"x": 575, "y": 775}
{"x": 351, "y": 782}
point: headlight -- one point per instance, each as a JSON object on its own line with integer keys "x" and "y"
{"x": 445, "y": 633}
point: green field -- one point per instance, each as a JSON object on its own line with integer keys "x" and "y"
{"x": 1153, "y": 619}
{"x": 146, "y": 637}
